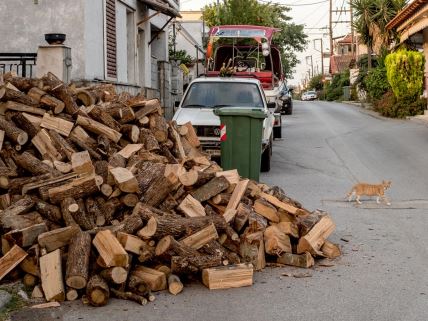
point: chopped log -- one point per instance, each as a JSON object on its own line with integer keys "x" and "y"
{"x": 29, "y": 280}
{"x": 330, "y": 250}
{"x": 23, "y": 123}
{"x": 44, "y": 183}
{"x": 59, "y": 90}
{"x": 191, "y": 207}
{"x": 57, "y": 124}
{"x": 77, "y": 267}
{"x": 151, "y": 106}
{"x": 257, "y": 222}
{"x": 18, "y": 222}
{"x": 101, "y": 169}
{"x": 36, "y": 94}
{"x": 195, "y": 178}
{"x": 80, "y": 215}
{"x": 177, "y": 140}
{"x": 155, "y": 280}
{"x": 33, "y": 165}
{"x": 117, "y": 160}
{"x": 20, "y": 107}
{"x": 48, "y": 211}
{"x": 125, "y": 180}
{"x": 304, "y": 260}
{"x": 225, "y": 277}
{"x": 129, "y": 296}
{"x": 37, "y": 292}
{"x": 115, "y": 275}
{"x": 267, "y": 210}
{"x": 78, "y": 134}
{"x": 159, "y": 190}
{"x": 252, "y": 250}
{"x": 288, "y": 228}
{"x": 174, "y": 284}
{"x": 168, "y": 245}
{"x": 231, "y": 175}
{"x": 105, "y": 118}
{"x": 97, "y": 291}
{"x": 61, "y": 145}
{"x": 2, "y": 134}
{"x": 57, "y": 238}
{"x": 11, "y": 259}
{"x": 20, "y": 207}
{"x": 27, "y": 236}
{"x": 129, "y": 200}
{"x": 149, "y": 230}
{"x": 4, "y": 201}
{"x": 237, "y": 194}
{"x": 215, "y": 248}
{"x": 149, "y": 140}
{"x": 51, "y": 276}
{"x": 110, "y": 249}
{"x": 130, "y": 242}
{"x": 159, "y": 127}
{"x": 85, "y": 97}
{"x": 56, "y": 105}
{"x": 62, "y": 167}
{"x": 221, "y": 199}
{"x": 31, "y": 263}
{"x": 81, "y": 163}
{"x": 148, "y": 173}
{"x": 210, "y": 189}
{"x": 110, "y": 207}
{"x": 71, "y": 294}
{"x": 287, "y": 207}
{"x": 22, "y": 83}
{"x": 193, "y": 264}
{"x": 276, "y": 241}
{"x": 166, "y": 152}
{"x": 80, "y": 187}
{"x": 129, "y": 150}
{"x": 132, "y": 132}
{"x": 200, "y": 238}
{"x": 98, "y": 128}
{"x": 17, "y": 135}
{"x": 68, "y": 207}
{"x": 315, "y": 238}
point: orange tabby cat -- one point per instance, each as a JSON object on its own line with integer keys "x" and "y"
{"x": 370, "y": 190}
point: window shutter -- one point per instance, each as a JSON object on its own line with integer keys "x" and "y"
{"x": 111, "y": 38}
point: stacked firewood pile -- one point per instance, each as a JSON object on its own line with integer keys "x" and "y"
{"x": 102, "y": 197}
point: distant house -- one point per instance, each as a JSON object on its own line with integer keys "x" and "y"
{"x": 124, "y": 42}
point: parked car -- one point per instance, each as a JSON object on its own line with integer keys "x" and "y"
{"x": 286, "y": 101}
{"x": 309, "y": 95}
{"x": 205, "y": 94}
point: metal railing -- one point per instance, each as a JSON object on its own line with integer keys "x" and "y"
{"x": 21, "y": 63}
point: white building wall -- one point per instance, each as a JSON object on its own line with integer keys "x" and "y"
{"x": 121, "y": 43}
{"x": 94, "y": 39}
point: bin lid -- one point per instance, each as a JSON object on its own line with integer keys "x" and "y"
{"x": 240, "y": 111}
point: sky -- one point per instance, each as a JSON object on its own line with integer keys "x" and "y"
{"x": 314, "y": 15}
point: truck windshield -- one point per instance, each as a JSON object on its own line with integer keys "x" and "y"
{"x": 223, "y": 94}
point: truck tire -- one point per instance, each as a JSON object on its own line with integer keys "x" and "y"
{"x": 266, "y": 158}
{"x": 289, "y": 109}
{"x": 277, "y": 131}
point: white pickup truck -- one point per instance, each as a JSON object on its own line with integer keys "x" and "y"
{"x": 203, "y": 95}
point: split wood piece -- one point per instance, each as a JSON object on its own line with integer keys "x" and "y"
{"x": 98, "y": 128}
{"x": 221, "y": 199}
{"x": 195, "y": 178}
{"x": 266, "y": 210}
{"x": 48, "y": 211}
{"x": 86, "y": 97}
{"x": 10, "y": 92}
{"x": 191, "y": 207}
{"x": 117, "y": 160}
{"x": 61, "y": 145}
{"x": 27, "y": 236}
{"x": 130, "y": 242}
{"x": 215, "y": 248}
{"x": 109, "y": 208}
{"x": 110, "y": 249}
{"x": 22, "y": 83}
{"x": 225, "y": 277}
{"x": 59, "y": 90}
{"x": 2, "y": 134}
{"x": 304, "y": 260}
{"x": 288, "y": 228}
{"x": 211, "y": 189}
{"x": 176, "y": 169}
{"x": 11, "y": 259}
{"x": 130, "y": 150}
{"x": 4, "y": 201}
{"x": 64, "y": 168}
{"x": 115, "y": 275}
{"x": 36, "y": 94}
{"x": 181, "y": 153}
{"x": 149, "y": 230}
{"x": 229, "y": 215}
{"x": 57, "y": 238}
{"x": 237, "y": 194}
{"x": 33, "y": 165}
{"x": 81, "y": 163}
{"x": 22, "y": 122}
{"x": 56, "y": 105}
{"x": 147, "y": 252}
{"x": 129, "y": 296}
{"x": 78, "y": 134}
{"x": 132, "y": 224}
{"x": 77, "y": 267}
{"x": 330, "y": 250}
{"x": 151, "y": 106}
{"x": 19, "y": 207}
{"x": 31, "y": 263}
{"x": 276, "y": 241}
{"x": 231, "y": 175}
{"x": 71, "y": 294}
{"x": 147, "y": 138}
{"x": 252, "y": 250}
{"x": 45, "y": 146}
{"x": 17, "y": 135}
{"x": 37, "y": 292}
{"x": 257, "y": 222}
{"x": 125, "y": 180}
{"x": 46, "y": 305}
{"x": 159, "y": 127}
{"x": 79, "y": 187}
{"x": 168, "y": 245}
{"x": 97, "y": 291}
{"x": 194, "y": 264}
{"x": 316, "y": 237}
{"x": 159, "y": 190}
{"x": 167, "y": 153}
{"x": 45, "y": 180}
{"x": 200, "y": 238}
{"x": 191, "y": 135}
{"x": 174, "y": 284}
{"x": 57, "y": 124}
{"x": 287, "y": 207}
{"x": 51, "y": 276}
{"x": 20, "y": 107}
{"x": 155, "y": 280}
{"x": 131, "y": 131}
{"x": 18, "y": 222}
{"x": 98, "y": 114}
{"x": 101, "y": 169}
{"x": 164, "y": 269}
{"x": 68, "y": 207}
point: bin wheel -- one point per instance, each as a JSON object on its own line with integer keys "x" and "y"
{"x": 266, "y": 158}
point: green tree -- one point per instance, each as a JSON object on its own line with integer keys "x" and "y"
{"x": 316, "y": 83}
{"x": 290, "y": 39}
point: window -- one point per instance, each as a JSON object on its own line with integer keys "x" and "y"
{"x": 111, "y": 63}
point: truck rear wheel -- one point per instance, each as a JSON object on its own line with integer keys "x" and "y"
{"x": 266, "y": 158}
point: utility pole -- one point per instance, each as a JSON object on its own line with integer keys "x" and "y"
{"x": 352, "y": 30}
{"x": 331, "y": 27}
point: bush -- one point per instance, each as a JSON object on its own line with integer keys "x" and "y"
{"x": 389, "y": 106}
{"x": 405, "y": 72}
{"x": 376, "y": 83}
{"x": 334, "y": 90}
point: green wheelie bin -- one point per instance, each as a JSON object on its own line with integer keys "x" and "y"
{"x": 241, "y": 139}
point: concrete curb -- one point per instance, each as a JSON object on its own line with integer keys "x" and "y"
{"x": 364, "y": 110}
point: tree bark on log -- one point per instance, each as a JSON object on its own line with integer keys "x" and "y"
{"x": 48, "y": 211}
{"x": 59, "y": 90}
{"x": 17, "y": 135}
{"x": 97, "y": 291}
{"x": 211, "y": 189}
{"x": 77, "y": 267}
{"x": 193, "y": 264}
{"x": 24, "y": 124}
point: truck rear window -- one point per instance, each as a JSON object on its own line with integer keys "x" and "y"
{"x": 222, "y": 94}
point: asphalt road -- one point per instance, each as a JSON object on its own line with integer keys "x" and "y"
{"x": 382, "y": 274}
